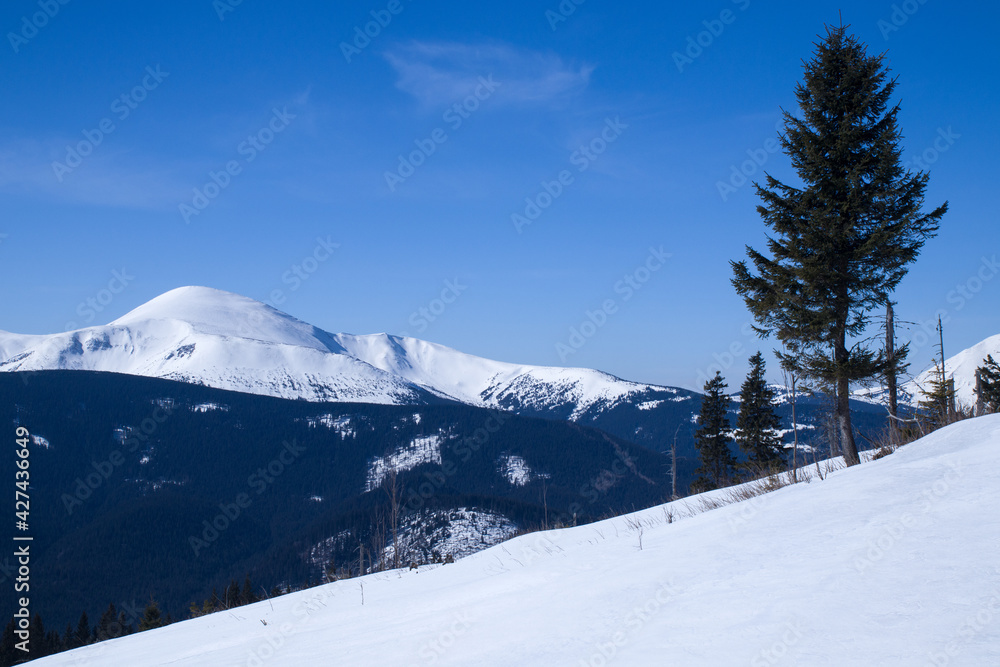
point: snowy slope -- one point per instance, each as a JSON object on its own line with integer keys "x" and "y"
{"x": 892, "y": 562}
{"x": 962, "y": 368}
{"x": 223, "y": 340}
{"x": 486, "y": 383}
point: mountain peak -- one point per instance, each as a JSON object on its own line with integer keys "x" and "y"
{"x": 216, "y": 312}
{"x": 221, "y": 339}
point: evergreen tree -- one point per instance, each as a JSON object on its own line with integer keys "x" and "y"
{"x": 53, "y": 644}
{"x": 247, "y": 595}
{"x": 216, "y": 601}
{"x": 107, "y": 626}
{"x": 232, "y": 594}
{"x": 151, "y": 617}
{"x": 712, "y": 439}
{"x": 939, "y": 397}
{"x": 69, "y": 638}
{"x": 8, "y": 653}
{"x": 988, "y": 389}
{"x": 757, "y": 424}
{"x": 124, "y": 627}
{"x": 39, "y": 644}
{"x": 843, "y": 240}
{"x": 83, "y": 631}
{"x": 207, "y": 607}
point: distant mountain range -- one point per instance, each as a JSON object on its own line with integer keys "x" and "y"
{"x": 239, "y": 378}
{"x": 213, "y": 338}
{"x": 218, "y": 339}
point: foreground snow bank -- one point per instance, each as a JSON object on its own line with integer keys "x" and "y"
{"x": 893, "y": 562}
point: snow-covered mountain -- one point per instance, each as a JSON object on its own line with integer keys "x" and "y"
{"x": 888, "y": 563}
{"x": 206, "y": 336}
{"x": 486, "y": 383}
{"x": 962, "y": 368}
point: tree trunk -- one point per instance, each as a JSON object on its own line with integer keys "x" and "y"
{"x": 843, "y": 414}
{"x": 673, "y": 463}
{"x": 890, "y": 378}
{"x": 795, "y": 437}
{"x": 980, "y": 407}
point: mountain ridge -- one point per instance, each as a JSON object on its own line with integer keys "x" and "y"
{"x": 224, "y": 340}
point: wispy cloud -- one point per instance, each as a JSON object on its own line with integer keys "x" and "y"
{"x": 26, "y": 167}
{"x": 439, "y": 73}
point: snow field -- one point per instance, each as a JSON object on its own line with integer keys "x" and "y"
{"x": 890, "y": 563}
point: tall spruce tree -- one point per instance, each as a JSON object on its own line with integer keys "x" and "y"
{"x": 842, "y": 240}
{"x": 756, "y": 424}
{"x": 712, "y": 439}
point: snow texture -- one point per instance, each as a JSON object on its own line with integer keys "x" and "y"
{"x": 515, "y": 469}
{"x": 209, "y": 407}
{"x": 341, "y": 424}
{"x": 420, "y": 450}
{"x": 891, "y": 562}
{"x": 457, "y": 533}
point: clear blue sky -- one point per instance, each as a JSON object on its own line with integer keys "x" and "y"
{"x": 309, "y": 130}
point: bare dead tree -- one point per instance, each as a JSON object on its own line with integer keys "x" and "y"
{"x": 673, "y": 465}
{"x": 391, "y": 488}
{"x": 790, "y": 379}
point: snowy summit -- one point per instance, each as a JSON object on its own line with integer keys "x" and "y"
{"x": 227, "y": 341}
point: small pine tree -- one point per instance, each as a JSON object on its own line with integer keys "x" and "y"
{"x": 939, "y": 397}
{"x": 757, "y": 424}
{"x": 232, "y": 594}
{"x": 151, "y": 617}
{"x": 39, "y": 645}
{"x": 988, "y": 389}
{"x": 207, "y": 606}
{"x": 247, "y": 596}
{"x": 124, "y": 627}
{"x": 107, "y": 626}
{"x": 712, "y": 439}
{"x": 8, "y": 653}
{"x": 83, "y": 631}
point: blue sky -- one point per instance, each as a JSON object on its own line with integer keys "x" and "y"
{"x": 270, "y": 150}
